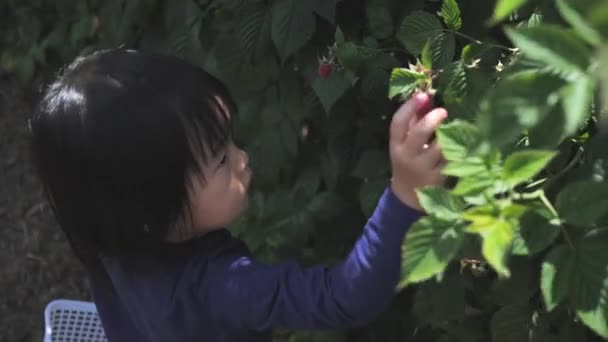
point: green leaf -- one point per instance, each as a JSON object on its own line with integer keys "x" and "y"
{"x": 403, "y": 82}
{"x": 520, "y": 287}
{"x": 576, "y": 101}
{"x": 326, "y": 9}
{"x": 416, "y": 29}
{"x": 379, "y": 19}
{"x": 293, "y": 24}
{"x": 578, "y": 21}
{"x": 471, "y": 186}
{"x": 505, "y": 7}
{"x": 473, "y": 166}
{"x": 438, "y": 302}
{"x": 589, "y": 283}
{"x": 458, "y": 140}
{"x": 254, "y": 30}
{"x": 429, "y": 246}
{"x": 535, "y": 234}
{"x": 581, "y": 274}
{"x": 524, "y": 165}
{"x": 511, "y": 323}
{"x": 451, "y": 14}
{"x": 308, "y": 182}
{"x": 517, "y": 102}
{"x": 372, "y": 163}
{"x": 370, "y": 194}
{"x": 376, "y": 75}
{"x": 554, "y": 46}
{"x": 425, "y": 56}
{"x": 443, "y": 47}
{"x": 555, "y": 277}
{"x": 331, "y": 89}
{"x": 498, "y": 235}
{"x": 438, "y": 202}
{"x": 582, "y": 203}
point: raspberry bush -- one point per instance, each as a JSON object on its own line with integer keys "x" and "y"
{"x": 514, "y": 249}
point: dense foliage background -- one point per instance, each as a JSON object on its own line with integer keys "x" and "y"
{"x": 515, "y": 250}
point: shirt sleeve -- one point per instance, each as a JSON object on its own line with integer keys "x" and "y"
{"x": 252, "y": 295}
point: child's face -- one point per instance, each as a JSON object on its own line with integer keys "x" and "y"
{"x": 223, "y": 198}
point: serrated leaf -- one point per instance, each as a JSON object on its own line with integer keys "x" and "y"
{"x": 450, "y": 12}
{"x": 353, "y": 57}
{"x": 440, "y": 203}
{"x": 416, "y": 29}
{"x": 576, "y": 101}
{"x": 556, "y": 273}
{"x": 498, "y": 235}
{"x": 293, "y": 24}
{"x": 370, "y": 194}
{"x": 519, "y": 101}
{"x": 254, "y": 30}
{"x": 578, "y": 21}
{"x": 582, "y": 203}
{"x": 535, "y": 234}
{"x": 554, "y": 46}
{"x": 429, "y": 246}
{"x": 505, "y": 7}
{"x": 589, "y": 283}
{"x": 458, "y": 140}
{"x": 472, "y": 166}
{"x": 443, "y": 47}
{"x": 524, "y": 165}
{"x": 331, "y": 89}
{"x": 379, "y": 19}
{"x": 403, "y": 82}
{"x": 511, "y": 323}
{"x": 372, "y": 163}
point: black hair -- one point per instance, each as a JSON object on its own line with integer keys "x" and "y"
{"x": 115, "y": 139}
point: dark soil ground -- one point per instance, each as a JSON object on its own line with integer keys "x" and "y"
{"x": 36, "y": 264}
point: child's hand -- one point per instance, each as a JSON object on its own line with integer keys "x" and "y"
{"x": 416, "y": 162}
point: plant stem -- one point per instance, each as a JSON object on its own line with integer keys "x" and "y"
{"x": 547, "y": 203}
{"x": 571, "y": 164}
{"x": 549, "y": 206}
{"x": 477, "y": 40}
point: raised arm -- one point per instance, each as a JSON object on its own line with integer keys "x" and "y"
{"x": 257, "y": 296}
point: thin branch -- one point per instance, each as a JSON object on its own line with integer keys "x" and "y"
{"x": 549, "y": 206}
{"x": 477, "y": 40}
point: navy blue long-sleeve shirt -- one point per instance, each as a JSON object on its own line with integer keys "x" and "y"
{"x": 220, "y": 293}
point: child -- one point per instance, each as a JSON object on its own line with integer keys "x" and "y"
{"x": 136, "y": 157}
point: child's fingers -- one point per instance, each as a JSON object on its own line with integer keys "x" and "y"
{"x": 404, "y": 115}
{"x": 432, "y": 154}
{"x": 420, "y": 134}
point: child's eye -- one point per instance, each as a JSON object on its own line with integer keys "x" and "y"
{"x": 224, "y": 159}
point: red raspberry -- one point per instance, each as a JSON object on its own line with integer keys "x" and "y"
{"x": 324, "y": 70}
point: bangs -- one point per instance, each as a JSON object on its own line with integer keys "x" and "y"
{"x": 207, "y": 134}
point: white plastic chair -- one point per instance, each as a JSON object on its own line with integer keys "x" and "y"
{"x": 72, "y": 321}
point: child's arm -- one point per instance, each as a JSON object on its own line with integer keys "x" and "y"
{"x": 245, "y": 293}
{"x": 256, "y": 296}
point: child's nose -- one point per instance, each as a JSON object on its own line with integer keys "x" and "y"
{"x": 244, "y": 162}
